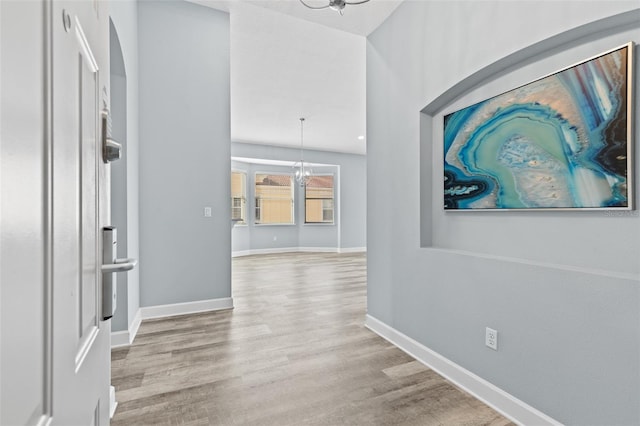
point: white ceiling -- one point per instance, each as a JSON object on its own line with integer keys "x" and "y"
{"x": 360, "y": 19}
{"x": 288, "y": 62}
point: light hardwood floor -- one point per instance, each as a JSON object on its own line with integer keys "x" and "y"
{"x": 294, "y": 351}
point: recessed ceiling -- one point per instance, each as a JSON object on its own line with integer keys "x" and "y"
{"x": 288, "y": 61}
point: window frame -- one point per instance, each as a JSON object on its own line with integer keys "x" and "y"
{"x": 243, "y": 198}
{"x": 332, "y": 199}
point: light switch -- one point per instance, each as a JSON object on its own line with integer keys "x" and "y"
{"x": 207, "y": 212}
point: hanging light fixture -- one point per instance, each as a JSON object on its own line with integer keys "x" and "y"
{"x": 337, "y": 5}
{"x": 301, "y": 171}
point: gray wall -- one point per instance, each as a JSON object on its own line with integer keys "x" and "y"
{"x": 561, "y": 288}
{"x": 350, "y": 201}
{"x": 184, "y": 153}
{"x": 118, "y": 107}
{"x": 125, "y": 181}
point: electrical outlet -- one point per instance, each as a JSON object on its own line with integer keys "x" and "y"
{"x": 207, "y": 212}
{"x": 491, "y": 338}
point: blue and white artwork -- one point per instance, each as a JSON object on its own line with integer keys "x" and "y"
{"x": 558, "y": 142}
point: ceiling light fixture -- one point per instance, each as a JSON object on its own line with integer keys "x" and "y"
{"x": 337, "y": 5}
{"x": 301, "y": 172}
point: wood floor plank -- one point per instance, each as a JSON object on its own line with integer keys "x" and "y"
{"x": 294, "y": 351}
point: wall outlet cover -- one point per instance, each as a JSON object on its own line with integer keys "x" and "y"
{"x": 491, "y": 338}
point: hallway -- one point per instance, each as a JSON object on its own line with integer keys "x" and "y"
{"x": 293, "y": 351}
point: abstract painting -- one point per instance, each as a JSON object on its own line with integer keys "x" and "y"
{"x": 559, "y": 142}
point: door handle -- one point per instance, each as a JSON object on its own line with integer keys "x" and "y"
{"x": 119, "y": 265}
{"x": 110, "y": 265}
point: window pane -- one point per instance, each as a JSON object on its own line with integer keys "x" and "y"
{"x": 327, "y": 210}
{"x": 274, "y": 199}
{"x": 319, "y": 199}
{"x": 238, "y": 196}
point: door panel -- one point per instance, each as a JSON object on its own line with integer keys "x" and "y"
{"x": 54, "y": 348}
{"x": 81, "y": 341}
{"x": 88, "y": 100}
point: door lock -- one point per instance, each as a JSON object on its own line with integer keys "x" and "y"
{"x": 111, "y": 150}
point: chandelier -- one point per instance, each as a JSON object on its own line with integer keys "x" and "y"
{"x": 337, "y": 5}
{"x": 302, "y": 172}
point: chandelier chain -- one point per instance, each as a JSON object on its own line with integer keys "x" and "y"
{"x": 302, "y": 173}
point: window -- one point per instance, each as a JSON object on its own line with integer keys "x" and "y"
{"x": 274, "y": 199}
{"x": 238, "y": 196}
{"x": 319, "y": 200}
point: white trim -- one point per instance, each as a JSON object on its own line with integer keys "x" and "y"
{"x": 274, "y": 250}
{"x": 113, "y": 404}
{"x": 284, "y": 250}
{"x": 241, "y": 253}
{"x": 352, "y": 250}
{"x": 120, "y": 338}
{"x": 135, "y": 325}
{"x": 161, "y": 311}
{"x": 318, "y": 249}
{"x": 125, "y": 337}
{"x": 503, "y": 402}
{"x": 264, "y": 251}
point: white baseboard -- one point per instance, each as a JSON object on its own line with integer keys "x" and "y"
{"x": 318, "y": 249}
{"x": 241, "y": 253}
{"x": 264, "y": 251}
{"x": 119, "y": 339}
{"x": 506, "y": 404}
{"x": 113, "y": 404}
{"x": 161, "y": 311}
{"x": 352, "y": 250}
{"x": 135, "y": 325}
{"x": 125, "y": 337}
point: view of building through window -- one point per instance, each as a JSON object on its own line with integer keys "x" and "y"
{"x": 319, "y": 199}
{"x": 274, "y": 199}
{"x": 239, "y": 196}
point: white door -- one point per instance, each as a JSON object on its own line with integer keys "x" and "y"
{"x": 24, "y": 367}
{"x": 80, "y": 208}
{"x": 54, "y": 347}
